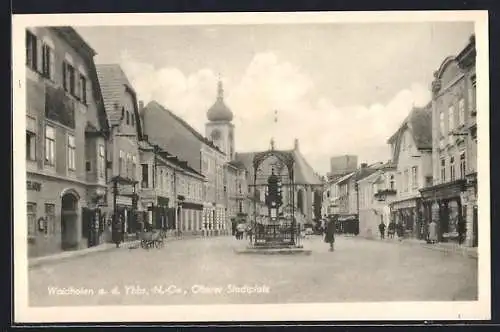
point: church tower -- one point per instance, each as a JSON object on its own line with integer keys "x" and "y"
{"x": 219, "y": 127}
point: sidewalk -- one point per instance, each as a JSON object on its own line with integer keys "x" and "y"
{"x": 36, "y": 261}
{"x": 450, "y": 247}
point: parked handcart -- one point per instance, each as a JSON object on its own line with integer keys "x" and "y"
{"x": 150, "y": 239}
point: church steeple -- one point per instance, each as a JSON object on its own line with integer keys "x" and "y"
{"x": 219, "y": 111}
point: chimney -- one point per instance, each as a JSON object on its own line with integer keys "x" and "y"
{"x": 364, "y": 165}
{"x": 296, "y": 144}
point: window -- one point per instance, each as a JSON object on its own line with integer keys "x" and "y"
{"x": 391, "y": 182}
{"x": 452, "y": 168}
{"x": 31, "y": 214}
{"x": 83, "y": 89}
{"x": 463, "y": 165}
{"x": 406, "y": 180}
{"x": 121, "y": 162}
{"x": 403, "y": 141}
{"x": 31, "y": 50}
{"x": 71, "y": 152}
{"x": 88, "y": 166}
{"x": 451, "y": 118}
{"x": 30, "y": 145}
{"x": 414, "y": 177}
{"x": 47, "y": 62}
{"x": 461, "y": 112}
{"x": 145, "y": 176}
{"x": 50, "y": 142}
{"x": 441, "y": 123}
{"x": 443, "y": 170}
{"x": 68, "y": 78}
{"x": 50, "y": 215}
{"x": 134, "y": 166}
{"x": 472, "y": 94}
{"x": 127, "y": 117}
{"x": 102, "y": 161}
{"x": 132, "y": 119}
{"x": 128, "y": 166}
{"x": 123, "y": 113}
{"x": 160, "y": 178}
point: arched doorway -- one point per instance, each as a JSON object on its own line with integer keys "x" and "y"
{"x": 69, "y": 221}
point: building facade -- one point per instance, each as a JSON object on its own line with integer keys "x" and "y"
{"x": 411, "y": 148}
{"x": 123, "y": 169}
{"x": 376, "y": 193}
{"x": 451, "y": 199}
{"x": 65, "y": 126}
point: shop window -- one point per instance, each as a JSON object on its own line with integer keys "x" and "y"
{"x": 50, "y": 142}
{"x": 31, "y": 50}
{"x": 31, "y": 214}
{"x": 463, "y": 165}
{"x": 50, "y": 215}
{"x": 71, "y": 152}
{"x": 47, "y": 62}
{"x": 30, "y": 145}
{"x": 452, "y": 169}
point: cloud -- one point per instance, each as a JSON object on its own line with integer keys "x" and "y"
{"x": 268, "y": 84}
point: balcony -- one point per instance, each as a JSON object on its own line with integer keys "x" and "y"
{"x": 381, "y": 195}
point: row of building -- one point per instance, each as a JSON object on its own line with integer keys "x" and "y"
{"x": 95, "y": 153}
{"x": 432, "y": 174}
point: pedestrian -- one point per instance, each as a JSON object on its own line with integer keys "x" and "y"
{"x": 381, "y": 229}
{"x": 461, "y": 230}
{"x": 118, "y": 231}
{"x": 330, "y": 234}
{"x": 433, "y": 237}
{"x": 391, "y": 229}
{"x": 400, "y": 231}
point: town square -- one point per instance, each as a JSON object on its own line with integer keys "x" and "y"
{"x": 251, "y": 164}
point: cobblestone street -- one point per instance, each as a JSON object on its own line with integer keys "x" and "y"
{"x": 205, "y": 271}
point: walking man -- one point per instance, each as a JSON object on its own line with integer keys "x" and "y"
{"x": 381, "y": 229}
{"x": 330, "y": 233}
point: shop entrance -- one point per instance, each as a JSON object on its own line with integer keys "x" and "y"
{"x": 69, "y": 221}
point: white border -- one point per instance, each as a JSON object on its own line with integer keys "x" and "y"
{"x": 269, "y": 312}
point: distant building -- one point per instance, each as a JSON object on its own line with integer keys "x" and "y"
{"x": 342, "y": 165}
{"x": 376, "y": 192}
{"x": 308, "y": 184}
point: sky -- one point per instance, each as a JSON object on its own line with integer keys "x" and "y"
{"x": 339, "y": 88}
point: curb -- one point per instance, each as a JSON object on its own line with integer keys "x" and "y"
{"x": 458, "y": 251}
{"x": 134, "y": 244}
{"x": 78, "y": 253}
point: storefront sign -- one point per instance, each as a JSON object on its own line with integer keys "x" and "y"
{"x": 123, "y": 200}
{"x": 32, "y": 185}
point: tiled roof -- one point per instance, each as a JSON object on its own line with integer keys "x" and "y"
{"x": 193, "y": 131}
{"x": 420, "y": 123}
{"x": 113, "y": 83}
{"x": 304, "y": 173}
